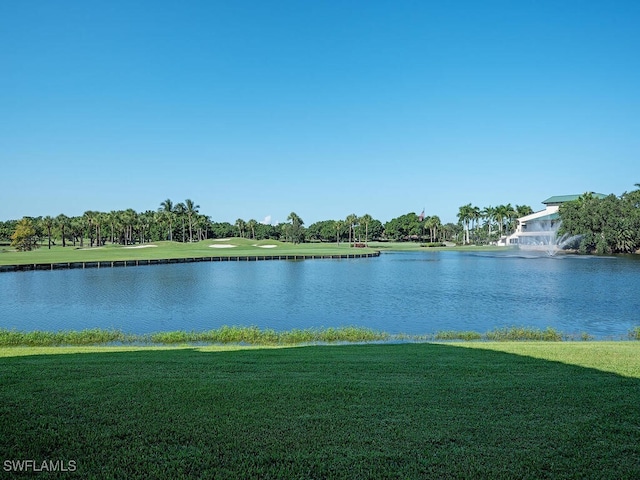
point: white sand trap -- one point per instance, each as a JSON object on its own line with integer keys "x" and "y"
{"x": 266, "y": 246}
{"x": 225, "y": 245}
{"x": 142, "y": 246}
{"x": 220, "y": 239}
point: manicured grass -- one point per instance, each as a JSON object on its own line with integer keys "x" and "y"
{"x": 542, "y": 410}
{"x": 163, "y": 250}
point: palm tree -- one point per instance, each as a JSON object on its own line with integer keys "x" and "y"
{"x": 338, "y": 225}
{"x": 167, "y": 211}
{"x": 113, "y": 219}
{"x": 240, "y": 225}
{"x": 191, "y": 209}
{"x": 523, "y": 210}
{"x": 63, "y": 222}
{"x": 500, "y": 216}
{"x": 129, "y": 218}
{"x": 510, "y": 215}
{"x": 181, "y": 210}
{"x": 203, "y": 223}
{"x": 296, "y": 227}
{"x": 434, "y": 224}
{"x": 351, "y": 220}
{"x": 77, "y": 230}
{"x": 251, "y": 225}
{"x": 365, "y": 220}
{"x": 88, "y": 217}
{"x": 464, "y": 216}
{"x": 144, "y": 222}
{"x": 48, "y": 223}
{"x": 475, "y": 216}
{"x": 489, "y": 214}
{"x": 99, "y": 219}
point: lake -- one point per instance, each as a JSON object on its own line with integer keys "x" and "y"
{"x": 401, "y": 292}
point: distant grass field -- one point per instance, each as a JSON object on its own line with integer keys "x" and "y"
{"x": 485, "y": 410}
{"x": 162, "y": 250}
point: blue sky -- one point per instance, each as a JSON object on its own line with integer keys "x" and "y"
{"x": 255, "y": 109}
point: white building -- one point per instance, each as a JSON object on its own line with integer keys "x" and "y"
{"x": 540, "y": 228}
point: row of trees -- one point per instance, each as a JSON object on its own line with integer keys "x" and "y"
{"x": 606, "y": 225}
{"x": 486, "y": 225}
{"x": 183, "y": 222}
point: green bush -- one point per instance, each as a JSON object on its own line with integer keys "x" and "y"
{"x": 524, "y": 333}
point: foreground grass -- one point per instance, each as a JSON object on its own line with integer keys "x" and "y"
{"x": 359, "y": 411}
{"x": 162, "y": 250}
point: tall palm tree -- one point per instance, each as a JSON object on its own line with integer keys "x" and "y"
{"x": 523, "y": 210}
{"x": 464, "y": 216}
{"x": 475, "y": 216}
{"x": 181, "y": 210}
{"x": 203, "y": 223}
{"x": 63, "y": 222}
{"x": 251, "y": 225}
{"x": 351, "y": 220}
{"x": 129, "y": 218}
{"x": 500, "y": 216}
{"x": 240, "y": 225}
{"x": 510, "y": 215}
{"x": 433, "y": 223}
{"x": 168, "y": 212}
{"x": 113, "y": 219}
{"x": 88, "y": 217}
{"x": 77, "y": 230}
{"x": 296, "y": 227}
{"x": 48, "y": 222}
{"x": 99, "y": 219}
{"x": 488, "y": 213}
{"x": 191, "y": 209}
{"x": 338, "y": 226}
{"x": 365, "y": 220}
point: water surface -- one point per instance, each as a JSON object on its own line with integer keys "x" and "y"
{"x": 404, "y": 292}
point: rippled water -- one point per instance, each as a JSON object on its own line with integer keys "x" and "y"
{"x": 415, "y": 293}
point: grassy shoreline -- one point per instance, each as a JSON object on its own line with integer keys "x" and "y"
{"x": 254, "y": 336}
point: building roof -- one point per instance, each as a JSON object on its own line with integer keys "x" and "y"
{"x": 558, "y": 199}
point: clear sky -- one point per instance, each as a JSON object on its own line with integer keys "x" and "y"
{"x": 326, "y": 108}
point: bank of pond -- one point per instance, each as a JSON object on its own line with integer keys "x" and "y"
{"x": 267, "y": 337}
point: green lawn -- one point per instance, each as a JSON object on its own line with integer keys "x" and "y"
{"x": 481, "y": 410}
{"x": 163, "y": 250}
{"x": 241, "y": 247}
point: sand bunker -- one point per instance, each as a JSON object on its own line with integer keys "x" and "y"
{"x": 142, "y": 246}
{"x": 225, "y": 245}
{"x": 265, "y": 246}
{"x": 220, "y": 239}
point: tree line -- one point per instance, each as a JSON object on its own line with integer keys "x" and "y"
{"x": 183, "y": 222}
{"x": 609, "y": 225}
{"x": 489, "y": 224}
